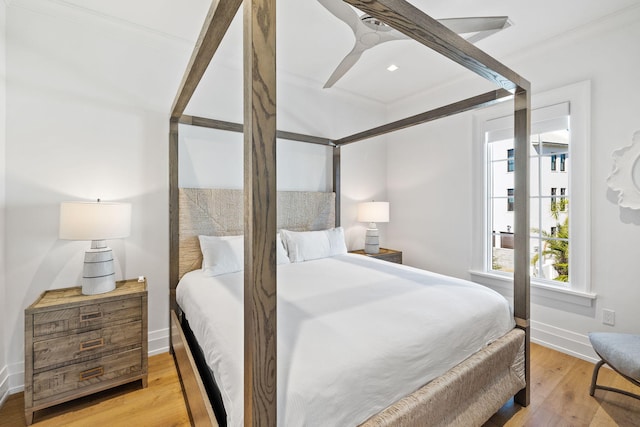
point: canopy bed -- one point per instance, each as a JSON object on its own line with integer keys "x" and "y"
{"x": 465, "y": 394}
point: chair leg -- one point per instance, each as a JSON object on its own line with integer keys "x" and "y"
{"x": 594, "y": 377}
{"x": 595, "y": 386}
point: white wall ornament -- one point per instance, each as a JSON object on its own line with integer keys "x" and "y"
{"x": 625, "y": 177}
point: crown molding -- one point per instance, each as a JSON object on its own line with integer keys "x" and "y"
{"x": 67, "y": 9}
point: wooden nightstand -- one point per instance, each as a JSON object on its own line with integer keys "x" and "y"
{"x": 390, "y": 255}
{"x": 77, "y": 344}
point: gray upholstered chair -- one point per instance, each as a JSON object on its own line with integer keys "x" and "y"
{"x": 622, "y": 353}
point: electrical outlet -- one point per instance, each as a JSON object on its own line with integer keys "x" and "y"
{"x": 608, "y": 317}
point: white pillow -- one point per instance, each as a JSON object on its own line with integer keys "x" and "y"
{"x": 281, "y": 252}
{"x": 308, "y": 245}
{"x": 225, "y": 254}
{"x": 222, "y": 255}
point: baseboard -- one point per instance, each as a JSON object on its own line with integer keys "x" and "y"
{"x": 158, "y": 342}
{"x": 15, "y": 377}
{"x": 563, "y": 340}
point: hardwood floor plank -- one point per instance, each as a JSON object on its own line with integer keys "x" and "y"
{"x": 614, "y": 408}
{"x": 570, "y": 399}
{"x": 560, "y": 397}
{"x": 160, "y": 404}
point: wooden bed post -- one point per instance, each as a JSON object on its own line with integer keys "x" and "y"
{"x": 173, "y": 213}
{"x": 521, "y": 275}
{"x": 260, "y": 326}
{"x": 336, "y": 181}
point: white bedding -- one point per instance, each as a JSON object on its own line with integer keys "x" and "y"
{"x": 355, "y": 334}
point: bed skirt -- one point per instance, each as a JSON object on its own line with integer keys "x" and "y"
{"x": 466, "y": 395}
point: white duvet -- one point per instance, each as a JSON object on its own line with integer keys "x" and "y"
{"x": 355, "y": 334}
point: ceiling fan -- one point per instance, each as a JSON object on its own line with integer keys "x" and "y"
{"x": 370, "y": 32}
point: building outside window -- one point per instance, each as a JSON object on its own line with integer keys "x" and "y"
{"x": 510, "y": 160}
{"x": 510, "y": 200}
{"x": 549, "y": 220}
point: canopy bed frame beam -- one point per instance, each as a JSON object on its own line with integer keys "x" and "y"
{"x": 238, "y": 127}
{"x": 214, "y": 28}
{"x": 260, "y": 189}
{"x": 484, "y": 100}
{"x": 479, "y": 101}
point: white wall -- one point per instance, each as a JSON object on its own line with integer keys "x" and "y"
{"x": 87, "y": 117}
{"x": 88, "y": 102}
{"x": 430, "y": 179}
{"x": 213, "y": 158}
{"x": 4, "y": 374}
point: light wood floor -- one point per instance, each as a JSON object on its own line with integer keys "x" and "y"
{"x": 160, "y": 404}
{"x": 559, "y": 397}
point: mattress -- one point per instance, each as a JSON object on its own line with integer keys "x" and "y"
{"x": 355, "y": 334}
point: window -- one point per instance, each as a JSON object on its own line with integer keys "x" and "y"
{"x": 559, "y": 202}
{"x": 551, "y": 261}
{"x": 510, "y": 160}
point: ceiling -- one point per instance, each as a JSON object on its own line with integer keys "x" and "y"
{"x": 312, "y": 42}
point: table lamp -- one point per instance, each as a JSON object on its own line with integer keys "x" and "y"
{"x": 96, "y": 221}
{"x": 373, "y": 212}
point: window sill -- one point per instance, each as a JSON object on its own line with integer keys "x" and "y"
{"x": 504, "y": 285}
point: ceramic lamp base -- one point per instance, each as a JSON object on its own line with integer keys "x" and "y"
{"x": 98, "y": 274}
{"x": 371, "y": 241}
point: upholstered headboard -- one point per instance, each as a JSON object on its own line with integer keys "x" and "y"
{"x": 219, "y": 212}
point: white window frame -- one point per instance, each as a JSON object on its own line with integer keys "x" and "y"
{"x": 579, "y": 292}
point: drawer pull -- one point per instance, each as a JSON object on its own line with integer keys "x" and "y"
{"x": 90, "y": 316}
{"x": 91, "y": 344}
{"x": 91, "y": 373}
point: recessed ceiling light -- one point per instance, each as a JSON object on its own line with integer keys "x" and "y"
{"x": 392, "y": 67}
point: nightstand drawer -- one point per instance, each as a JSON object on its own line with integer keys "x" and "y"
{"x": 71, "y": 348}
{"x": 72, "y": 378}
{"x": 93, "y": 315}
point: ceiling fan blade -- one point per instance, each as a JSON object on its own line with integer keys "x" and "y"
{"x": 345, "y": 65}
{"x": 343, "y": 12}
{"x": 476, "y": 24}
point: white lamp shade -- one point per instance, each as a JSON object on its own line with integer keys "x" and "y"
{"x": 373, "y": 212}
{"x": 94, "y": 220}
